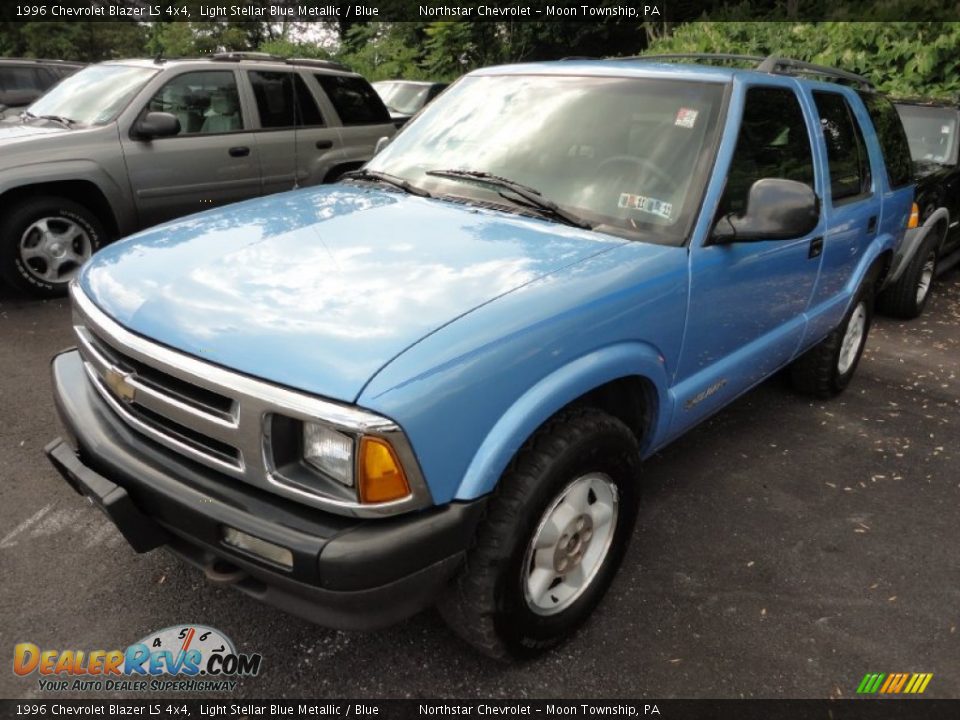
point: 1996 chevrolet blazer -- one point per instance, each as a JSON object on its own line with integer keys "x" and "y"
{"x": 436, "y": 381}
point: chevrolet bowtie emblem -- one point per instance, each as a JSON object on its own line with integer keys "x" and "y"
{"x": 119, "y": 385}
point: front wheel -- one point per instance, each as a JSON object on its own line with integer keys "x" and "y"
{"x": 827, "y": 368}
{"x": 907, "y": 297}
{"x": 43, "y": 243}
{"x": 555, "y": 532}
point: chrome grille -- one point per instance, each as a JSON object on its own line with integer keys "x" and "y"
{"x": 218, "y": 417}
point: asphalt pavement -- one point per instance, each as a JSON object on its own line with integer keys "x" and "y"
{"x": 785, "y": 548}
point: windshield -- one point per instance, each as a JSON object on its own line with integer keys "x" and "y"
{"x": 93, "y": 96}
{"x": 931, "y": 132}
{"x": 400, "y": 97}
{"x": 627, "y": 155}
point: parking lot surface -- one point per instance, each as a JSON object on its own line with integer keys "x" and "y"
{"x": 786, "y": 548}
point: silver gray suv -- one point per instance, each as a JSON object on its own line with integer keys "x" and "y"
{"x": 124, "y": 145}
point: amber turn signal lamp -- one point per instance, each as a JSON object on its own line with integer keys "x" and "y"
{"x": 381, "y": 477}
{"x": 914, "y": 220}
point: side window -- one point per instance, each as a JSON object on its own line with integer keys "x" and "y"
{"x": 846, "y": 149}
{"x": 893, "y": 138}
{"x": 204, "y": 102}
{"x": 773, "y": 143}
{"x": 21, "y": 78}
{"x": 284, "y": 100}
{"x": 354, "y": 100}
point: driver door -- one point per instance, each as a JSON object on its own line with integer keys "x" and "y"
{"x": 212, "y": 161}
{"x": 748, "y": 299}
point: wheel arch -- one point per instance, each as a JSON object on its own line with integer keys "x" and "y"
{"x": 82, "y": 192}
{"x": 627, "y": 380}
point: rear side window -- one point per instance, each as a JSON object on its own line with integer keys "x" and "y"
{"x": 354, "y": 100}
{"x": 846, "y": 149}
{"x": 23, "y": 78}
{"x": 284, "y": 100}
{"x": 773, "y": 143}
{"x": 892, "y": 137}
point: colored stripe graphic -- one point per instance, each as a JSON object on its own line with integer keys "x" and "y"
{"x": 895, "y": 683}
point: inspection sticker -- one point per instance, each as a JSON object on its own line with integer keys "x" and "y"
{"x": 686, "y": 118}
{"x": 650, "y": 205}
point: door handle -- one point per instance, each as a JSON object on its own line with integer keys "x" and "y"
{"x": 816, "y": 248}
{"x": 239, "y": 151}
{"x": 324, "y": 144}
{"x": 872, "y": 224}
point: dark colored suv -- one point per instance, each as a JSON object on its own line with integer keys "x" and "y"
{"x": 934, "y": 246}
{"x": 22, "y": 81}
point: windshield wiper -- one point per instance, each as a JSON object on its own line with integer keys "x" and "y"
{"x": 529, "y": 197}
{"x": 65, "y": 121}
{"x": 377, "y": 176}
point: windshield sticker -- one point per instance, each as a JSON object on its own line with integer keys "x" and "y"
{"x": 945, "y": 129}
{"x": 686, "y": 118}
{"x": 660, "y": 208}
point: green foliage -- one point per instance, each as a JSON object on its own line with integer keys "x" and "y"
{"x": 901, "y": 58}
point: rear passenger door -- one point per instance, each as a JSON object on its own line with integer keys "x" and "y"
{"x": 852, "y": 202}
{"x": 364, "y": 118}
{"x": 748, "y": 299}
{"x": 297, "y": 144}
{"x": 212, "y": 161}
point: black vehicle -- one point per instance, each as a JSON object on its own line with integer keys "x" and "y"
{"x": 23, "y": 80}
{"x": 934, "y": 246}
{"x": 405, "y": 98}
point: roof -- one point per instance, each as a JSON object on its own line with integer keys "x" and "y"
{"x": 238, "y": 59}
{"x": 425, "y": 83}
{"x": 685, "y": 65}
{"x": 928, "y": 102}
{"x": 40, "y": 61}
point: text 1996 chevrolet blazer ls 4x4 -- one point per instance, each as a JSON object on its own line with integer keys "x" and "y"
{"x": 435, "y": 381}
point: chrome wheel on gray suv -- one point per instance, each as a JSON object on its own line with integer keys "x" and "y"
{"x": 52, "y": 249}
{"x": 44, "y": 242}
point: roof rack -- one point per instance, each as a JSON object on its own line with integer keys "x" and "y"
{"x": 235, "y": 56}
{"x": 769, "y": 64}
{"x": 789, "y": 66}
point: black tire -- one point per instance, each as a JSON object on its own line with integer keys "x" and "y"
{"x": 486, "y": 603}
{"x": 818, "y": 372}
{"x": 902, "y": 299}
{"x": 27, "y": 274}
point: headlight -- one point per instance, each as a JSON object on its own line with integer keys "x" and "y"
{"x": 329, "y": 451}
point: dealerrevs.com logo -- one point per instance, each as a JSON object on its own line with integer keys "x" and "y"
{"x": 186, "y": 658}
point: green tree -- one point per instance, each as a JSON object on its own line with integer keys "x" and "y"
{"x": 901, "y": 58}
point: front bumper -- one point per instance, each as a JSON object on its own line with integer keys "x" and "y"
{"x": 347, "y": 573}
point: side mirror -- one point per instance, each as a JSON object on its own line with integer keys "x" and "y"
{"x": 777, "y": 209}
{"x": 381, "y": 144}
{"x": 157, "y": 125}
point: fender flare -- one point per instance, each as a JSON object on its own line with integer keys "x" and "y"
{"x": 25, "y": 176}
{"x": 555, "y": 391}
{"x": 912, "y": 241}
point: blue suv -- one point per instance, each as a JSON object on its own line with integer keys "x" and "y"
{"x": 436, "y": 381}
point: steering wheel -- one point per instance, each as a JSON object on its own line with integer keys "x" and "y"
{"x": 640, "y": 164}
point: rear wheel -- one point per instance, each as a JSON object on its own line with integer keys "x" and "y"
{"x": 827, "y": 368}
{"x": 43, "y": 243}
{"x": 908, "y": 296}
{"x": 555, "y": 533}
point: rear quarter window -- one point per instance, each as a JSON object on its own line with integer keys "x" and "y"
{"x": 892, "y": 137}
{"x": 355, "y": 101}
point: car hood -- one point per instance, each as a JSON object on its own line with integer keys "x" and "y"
{"x": 13, "y": 131}
{"x": 318, "y": 289}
